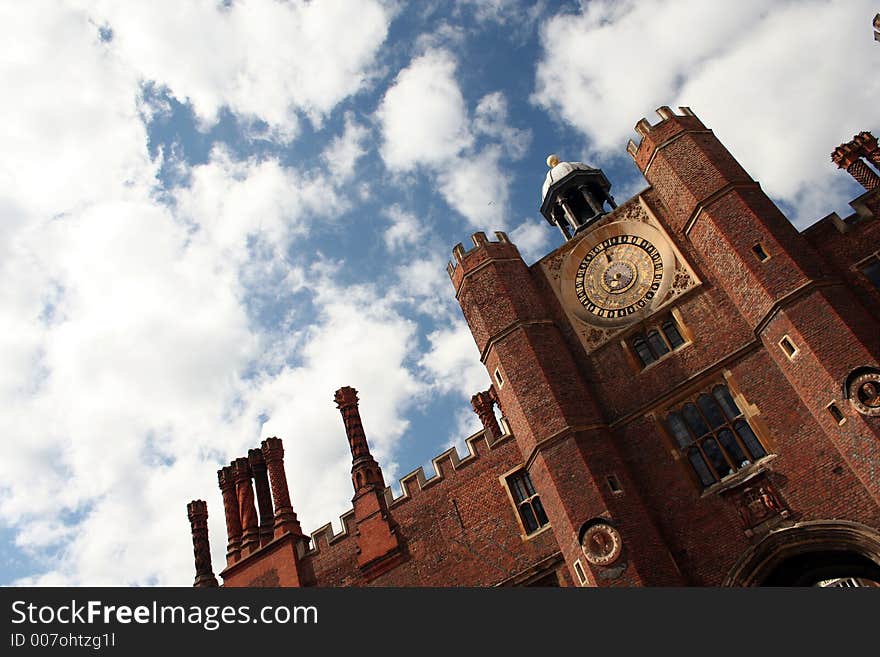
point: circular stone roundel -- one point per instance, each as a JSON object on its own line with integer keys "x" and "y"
{"x": 601, "y": 544}
{"x": 617, "y": 274}
{"x": 864, "y": 393}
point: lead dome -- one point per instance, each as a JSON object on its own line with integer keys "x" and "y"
{"x": 574, "y": 195}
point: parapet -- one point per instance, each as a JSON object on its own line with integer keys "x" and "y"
{"x": 652, "y": 136}
{"x": 484, "y": 249}
{"x": 865, "y": 210}
{"x": 480, "y": 240}
{"x": 415, "y": 482}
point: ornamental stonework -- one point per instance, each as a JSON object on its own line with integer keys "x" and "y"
{"x": 594, "y": 331}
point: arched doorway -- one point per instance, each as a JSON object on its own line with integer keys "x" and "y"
{"x": 817, "y": 553}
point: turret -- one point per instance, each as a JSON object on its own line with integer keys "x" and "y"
{"x": 775, "y": 278}
{"x": 566, "y": 448}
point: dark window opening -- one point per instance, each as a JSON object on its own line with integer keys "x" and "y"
{"x": 614, "y": 484}
{"x": 550, "y": 579}
{"x": 872, "y": 271}
{"x": 836, "y": 413}
{"x": 656, "y": 343}
{"x": 673, "y": 335}
{"x": 760, "y": 253}
{"x": 788, "y": 347}
{"x": 580, "y": 208}
{"x": 714, "y": 436}
{"x": 643, "y": 351}
{"x": 527, "y": 501}
{"x": 823, "y": 568}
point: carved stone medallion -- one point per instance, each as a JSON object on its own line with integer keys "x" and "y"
{"x": 864, "y": 393}
{"x": 601, "y": 544}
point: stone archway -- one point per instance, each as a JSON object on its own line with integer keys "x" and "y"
{"x": 808, "y": 553}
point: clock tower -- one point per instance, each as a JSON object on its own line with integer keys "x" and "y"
{"x": 611, "y": 273}
{"x": 657, "y": 368}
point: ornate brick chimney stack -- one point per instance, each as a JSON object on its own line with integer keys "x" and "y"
{"x": 197, "y": 510}
{"x": 379, "y": 545}
{"x": 233, "y": 516}
{"x": 250, "y": 537}
{"x": 483, "y": 403}
{"x": 285, "y": 519}
{"x": 849, "y": 156}
{"x": 365, "y": 472}
{"x": 264, "y": 497}
{"x": 269, "y": 550}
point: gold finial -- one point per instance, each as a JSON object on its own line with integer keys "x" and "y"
{"x": 552, "y": 160}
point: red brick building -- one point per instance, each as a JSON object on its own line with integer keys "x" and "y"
{"x": 690, "y": 390}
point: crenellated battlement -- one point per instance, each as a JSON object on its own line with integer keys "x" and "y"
{"x": 414, "y": 483}
{"x": 379, "y": 544}
{"x": 654, "y": 136}
{"x": 480, "y": 241}
{"x": 644, "y": 128}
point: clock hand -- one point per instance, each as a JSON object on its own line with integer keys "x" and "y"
{"x": 608, "y": 255}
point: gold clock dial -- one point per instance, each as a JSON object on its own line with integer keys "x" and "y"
{"x": 619, "y": 276}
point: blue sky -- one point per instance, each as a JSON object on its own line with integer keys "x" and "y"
{"x": 214, "y": 214}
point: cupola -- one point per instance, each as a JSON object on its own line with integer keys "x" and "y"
{"x": 574, "y": 196}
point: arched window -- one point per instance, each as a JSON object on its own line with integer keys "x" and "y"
{"x": 658, "y": 346}
{"x": 657, "y": 342}
{"x": 673, "y": 335}
{"x": 643, "y": 351}
{"x": 528, "y": 503}
{"x": 714, "y": 436}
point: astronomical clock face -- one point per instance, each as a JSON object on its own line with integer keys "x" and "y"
{"x": 617, "y": 274}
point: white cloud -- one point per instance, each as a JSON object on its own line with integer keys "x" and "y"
{"x": 489, "y": 10}
{"x": 423, "y": 285}
{"x": 264, "y": 60}
{"x": 781, "y": 83}
{"x": 423, "y": 116}
{"x": 532, "y": 238}
{"x": 145, "y": 387}
{"x": 132, "y": 361}
{"x": 343, "y": 152}
{"x": 135, "y": 376}
{"x": 514, "y": 14}
{"x": 71, "y": 126}
{"x": 453, "y": 361}
{"x": 404, "y": 229}
{"x": 232, "y": 200}
{"x": 491, "y": 119}
{"x": 425, "y": 123}
{"x": 478, "y": 188}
